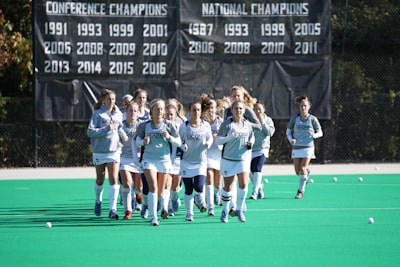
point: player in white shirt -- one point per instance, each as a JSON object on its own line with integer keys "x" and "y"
{"x": 196, "y": 139}
{"x": 260, "y": 150}
{"x": 129, "y": 167}
{"x": 156, "y": 137}
{"x": 236, "y": 136}
{"x": 213, "y": 179}
{"x": 301, "y": 131}
{"x": 105, "y": 132}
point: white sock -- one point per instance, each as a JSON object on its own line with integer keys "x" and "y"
{"x": 257, "y": 176}
{"x": 174, "y": 195}
{"x": 234, "y": 195}
{"x": 210, "y": 196}
{"x": 165, "y": 199}
{"x": 113, "y": 192}
{"x": 189, "y": 201}
{"x": 226, "y": 198}
{"x": 98, "y": 191}
{"x": 241, "y": 198}
{"x": 152, "y": 202}
{"x": 302, "y": 182}
{"x": 126, "y": 198}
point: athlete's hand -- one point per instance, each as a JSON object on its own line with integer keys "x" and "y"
{"x": 146, "y": 140}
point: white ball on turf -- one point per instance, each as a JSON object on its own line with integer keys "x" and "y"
{"x": 266, "y": 181}
{"x": 334, "y": 179}
{"x": 311, "y": 181}
{"x": 371, "y": 220}
{"x": 360, "y": 179}
{"x": 49, "y": 225}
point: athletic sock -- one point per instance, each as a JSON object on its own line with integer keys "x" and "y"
{"x": 165, "y": 199}
{"x": 226, "y": 198}
{"x": 257, "y": 176}
{"x": 210, "y": 196}
{"x": 189, "y": 201}
{"x": 152, "y": 202}
{"x": 113, "y": 192}
{"x": 98, "y": 191}
{"x": 241, "y": 198}
{"x": 126, "y": 198}
{"x": 302, "y": 182}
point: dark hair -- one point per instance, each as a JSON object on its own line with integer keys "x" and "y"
{"x": 196, "y": 102}
{"x": 300, "y": 98}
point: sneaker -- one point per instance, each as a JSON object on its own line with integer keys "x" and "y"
{"x": 197, "y": 202}
{"x": 144, "y": 213}
{"x": 260, "y": 194}
{"x": 128, "y": 215}
{"x": 240, "y": 215}
{"x": 176, "y": 203}
{"x": 224, "y": 217}
{"x": 171, "y": 212}
{"x": 139, "y": 198}
{"x": 113, "y": 215}
{"x": 211, "y": 212}
{"x": 232, "y": 212}
{"x": 136, "y": 206}
{"x": 164, "y": 214}
{"x": 299, "y": 195}
{"x": 253, "y": 196}
{"x": 154, "y": 222}
{"x": 189, "y": 217}
{"x": 97, "y": 208}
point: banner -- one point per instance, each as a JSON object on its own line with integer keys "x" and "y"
{"x": 180, "y": 49}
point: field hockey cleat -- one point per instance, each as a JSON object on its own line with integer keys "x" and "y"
{"x": 253, "y": 196}
{"x": 154, "y": 222}
{"x": 113, "y": 215}
{"x": 189, "y": 217}
{"x": 299, "y": 195}
{"x": 240, "y": 215}
{"x": 260, "y": 194}
{"x": 97, "y": 208}
{"x": 164, "y": 214}
{"x": 171, "y": 213}
{"x": 232, "y": 212}
{"x": 144, "y": 213}
{"x": 211, "y": 212}
{"x": 128, "y": 215}
{"x": 224, "y": 217}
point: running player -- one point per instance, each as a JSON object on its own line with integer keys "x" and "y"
{"x": 156, "y": 137}
{"x": 105, "y": 132}
{"x": 236, "y": 136}
{"x": 260, "y": 150}
{"x": 196, "y": 139}
{"x": 301, "y": 131}
{"x": 129, "y": 167}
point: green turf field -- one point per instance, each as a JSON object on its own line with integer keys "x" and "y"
{"x": 329, "y": 227}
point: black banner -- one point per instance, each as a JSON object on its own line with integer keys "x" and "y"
{"x": 276, "y": 50}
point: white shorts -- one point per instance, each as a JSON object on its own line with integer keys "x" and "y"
{"x": 158, "y": 166}
{"x": 231, "y": 168}
{"x": 214, "y": 163}
{"x": 127, "y": 164}
{"x": 101, "y": 158}
{"x": 307, "y": 152}
{"x": 189, "y": 170}
{"x": 176, "y": 166}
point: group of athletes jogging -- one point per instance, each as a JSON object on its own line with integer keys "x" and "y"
{"x": 153, "y": 150}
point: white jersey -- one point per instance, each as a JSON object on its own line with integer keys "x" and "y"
{"x": 300, "y": 130}
{"x": 195, "y": 139}
{"x": 263, "y": 137}
{"x": 235, "y": 148}
{"x": 214, "y": 152}
{"x": 159, "y": 148}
